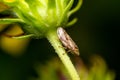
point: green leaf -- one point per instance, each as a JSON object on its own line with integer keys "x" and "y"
{"x": 71, "y": 22}
{"x": 76, "y": 8}
{"x": 23, "y": 37}
{"x": 9, "y": 20}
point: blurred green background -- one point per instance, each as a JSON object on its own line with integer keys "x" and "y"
{"x": 96, "y": 32}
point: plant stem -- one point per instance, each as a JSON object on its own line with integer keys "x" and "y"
{"x": 53, "y": 39}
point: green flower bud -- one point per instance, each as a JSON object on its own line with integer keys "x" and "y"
{"x": 39, "y": 16}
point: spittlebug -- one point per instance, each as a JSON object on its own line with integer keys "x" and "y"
{"x": 67, "y": 42}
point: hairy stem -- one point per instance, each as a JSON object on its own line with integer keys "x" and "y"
{"x": 53, "y": 39}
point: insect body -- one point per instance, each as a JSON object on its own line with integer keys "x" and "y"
{"x": 67, "y": 41}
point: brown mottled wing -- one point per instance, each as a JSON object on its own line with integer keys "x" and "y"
{"x": 67, "y": 41}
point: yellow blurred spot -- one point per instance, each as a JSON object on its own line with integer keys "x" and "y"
{"x": 3, "y": 7}
{"x": 2, "y": 27}
{"x": 9, "y": 1}
{"x": 14, "y": 30}
{"x": 13, "y": 46}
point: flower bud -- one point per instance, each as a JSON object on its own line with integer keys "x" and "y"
{"x": 39, "y": 16}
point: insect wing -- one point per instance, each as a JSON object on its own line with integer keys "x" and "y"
{"x": 67, "y": 41}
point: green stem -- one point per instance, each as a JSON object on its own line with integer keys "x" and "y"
{"x": 53, "y": 39}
